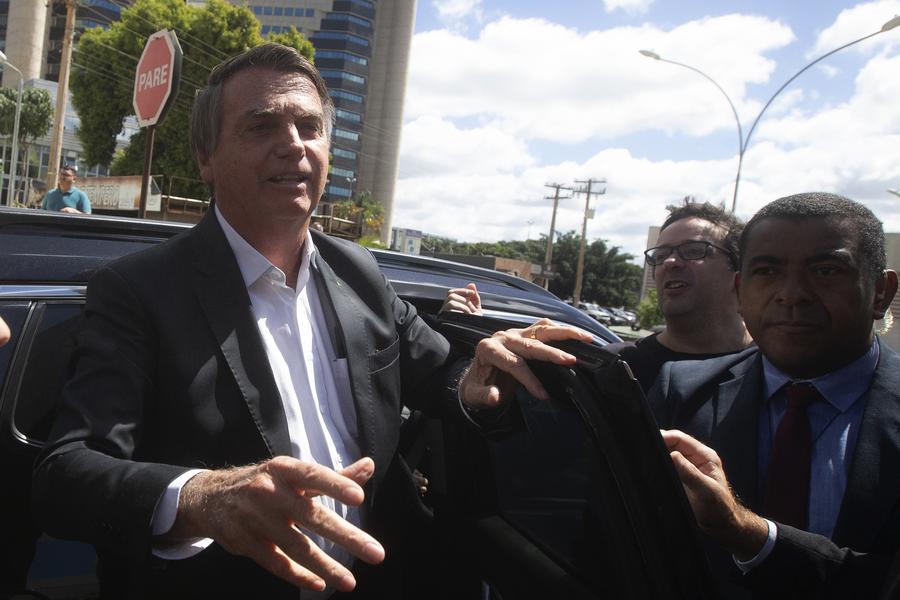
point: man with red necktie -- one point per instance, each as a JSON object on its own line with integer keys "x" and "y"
{"x": 807, "y": 425}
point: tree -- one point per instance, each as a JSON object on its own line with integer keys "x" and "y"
{"x": 364, "y": 209}
{"x": 610, "y": 278}
{"x": 34, "y": 121}
{"x": 103, "y": 78}
{"x": 648, "y": 313}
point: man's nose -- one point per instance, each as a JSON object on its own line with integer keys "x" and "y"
{"x": 289, "y": 142}
{"x": 794, "y": 290}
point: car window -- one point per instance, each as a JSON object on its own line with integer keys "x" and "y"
{"x": 14, "y": 314}
{"x": 46, "y": 368}
{"x": 554, "y": 484}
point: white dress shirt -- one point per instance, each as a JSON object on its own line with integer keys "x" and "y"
{"x": 313, "y": 383}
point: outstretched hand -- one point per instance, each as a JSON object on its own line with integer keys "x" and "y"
{"x": 463, "y": 300}
{"x": 718, "y": 512}
{"x": 500, "y": 362}
{"x": 257, "y": 511}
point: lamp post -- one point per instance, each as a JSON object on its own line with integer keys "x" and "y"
{"x": 894, "y": 192}
{"x": 15, "y": 137}
{"x": 744, "y": 142}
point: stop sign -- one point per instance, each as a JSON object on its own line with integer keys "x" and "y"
{"x": 157, "y": 77}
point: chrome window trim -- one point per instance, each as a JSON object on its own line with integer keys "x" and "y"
{"x": 42, "y": 292}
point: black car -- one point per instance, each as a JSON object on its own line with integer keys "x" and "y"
{"x": 576, "y": 498}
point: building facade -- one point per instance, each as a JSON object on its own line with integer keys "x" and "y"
{"x": 362, "y": 50}
{"x": 31, "y": 35}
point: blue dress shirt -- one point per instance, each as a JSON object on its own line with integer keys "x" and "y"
{"x": 834, "y": 424}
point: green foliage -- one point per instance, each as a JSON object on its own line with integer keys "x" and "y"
{"x": 648, "y": 313}
{"x": 36, "y": 117}
{"x": 102, "y": 80}
{"x": 34, "y": 121}
{"x": 363, "y": 209}
{"x": 610, "y": 279}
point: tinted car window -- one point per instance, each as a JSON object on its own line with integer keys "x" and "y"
{"x": 554, "y": 484}
{"x": 14, "y": 314}
{"x": 46, "y": 368}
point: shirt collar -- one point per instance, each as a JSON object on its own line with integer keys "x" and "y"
{"x": 840, "y": 388}
{"x": 254, "y": 265}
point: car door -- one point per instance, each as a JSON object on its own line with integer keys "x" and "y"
{"x": 573, "y": 497}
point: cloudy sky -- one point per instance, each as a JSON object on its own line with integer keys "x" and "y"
{"x": 505, "y": 96}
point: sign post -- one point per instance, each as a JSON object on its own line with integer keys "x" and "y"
{"x": 155, "y": 88}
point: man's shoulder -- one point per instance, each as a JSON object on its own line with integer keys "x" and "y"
{"x": 689, "y": 376}
{"x": 716, "y": 364}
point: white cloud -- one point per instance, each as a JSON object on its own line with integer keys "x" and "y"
{"x": 829, "y": 71}
{"x": 632, "y": 7}
{"x": 544, "y": 81}
{"x": 433, "y": 146}
{"x": 856, "y": 22}
{"x": 455, "y": 13}
{"x": 479, "y": 111}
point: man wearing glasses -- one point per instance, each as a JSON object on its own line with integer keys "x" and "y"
{"x": 694, "y": 263}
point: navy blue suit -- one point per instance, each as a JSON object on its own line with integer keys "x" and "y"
{"x": 718, "y": 401}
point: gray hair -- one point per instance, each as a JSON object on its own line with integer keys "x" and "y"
{"x": 206, "y": 116}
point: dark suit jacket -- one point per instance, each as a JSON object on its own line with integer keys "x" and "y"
{"x": 718, "y": 402}
{"x": 170, "y": 373}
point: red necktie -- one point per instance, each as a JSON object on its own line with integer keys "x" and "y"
{"x": 787, "y": 487}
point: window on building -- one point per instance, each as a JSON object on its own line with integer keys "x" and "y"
{"x": 267, "y": 10}
{"x": 347, "y": 37}
{"x": 279, "y": 11}
{"x": 338, "y": 54}
{"x": 347, "y": 135}
{"x": 348, "y": 115}
{"x": 266, "y": 29}
{"x": 336, "y": 190}
{"x": 346, "y": 95}
{"x": 342, "y": 75}
{"x": 257, "y": 10}
{"x": 310, "y": 12}
{"x": 289, "y": 11}
{"x": 349, "y": 154}
{"x": 351, "y": 18}
{"x": 345, "y": 173}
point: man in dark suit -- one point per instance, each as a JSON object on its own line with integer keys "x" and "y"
{"x": 808, "y": 425}
{"x": 235, "y": 401}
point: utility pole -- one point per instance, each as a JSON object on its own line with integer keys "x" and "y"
{"x": 548, "y": 257}
{"x": 62, "y": 92}
{"x": 579, "y": 273}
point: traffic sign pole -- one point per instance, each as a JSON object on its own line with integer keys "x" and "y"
{"x": 145, "y": 179}
{"x": 155, "y": 89}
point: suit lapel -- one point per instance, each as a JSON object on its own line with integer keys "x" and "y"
{"x": 226, "y": 304}
{"x": 873, "y": 484}
{"x": 734, "y": 434}
{"x": 348, "y": 336}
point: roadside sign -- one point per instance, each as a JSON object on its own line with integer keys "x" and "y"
{"x": 157, "y": 77}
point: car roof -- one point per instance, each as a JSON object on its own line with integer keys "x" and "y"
{"x": 39, "y": 246}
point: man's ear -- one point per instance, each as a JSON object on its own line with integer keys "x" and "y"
{"x": 885, "y": 289}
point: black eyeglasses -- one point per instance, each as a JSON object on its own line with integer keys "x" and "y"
{"x": 692, "y": 250}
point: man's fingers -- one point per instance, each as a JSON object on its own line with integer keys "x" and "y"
{"x": 302, "y": 476}
{"x": 318, "y": 519}
{"x": 302, "y": 550}
{"x": 276, "y": 561}
{"x": 360, "y": 472}
{"x": 690, "y": 448}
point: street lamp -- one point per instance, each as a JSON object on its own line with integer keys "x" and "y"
{"x": 744, "y": 142}
{"x": 15, "y": 140}
{"x": 894, "y": 192}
